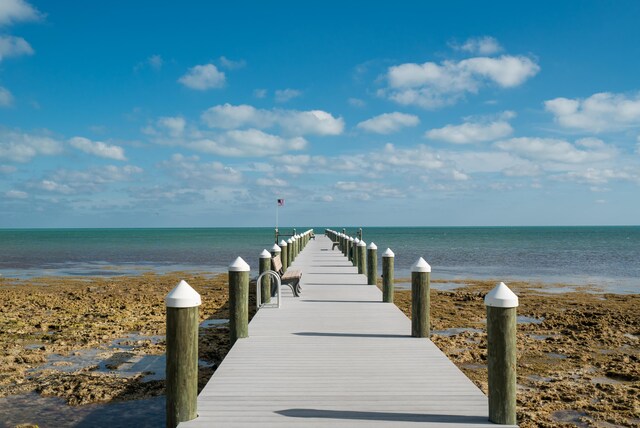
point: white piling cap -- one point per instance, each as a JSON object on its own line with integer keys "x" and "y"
{"x": 275, "y": 248}
{"x": 239, "y": 265}
{"x": 372, "y": 246}
{"x": 501, "y": 297}
{"x": 362, "y": 244}
{"x": 351, "y": 239}
{"x": 356, "y": 240}
{"x": 421, "y": 265}
{"x": 283, "y": 243}
{"x": 388, "y": 253}
{"x": 265, "y": 254}
{"x": 290, "y": 241}
{"x": 182, "y": 296}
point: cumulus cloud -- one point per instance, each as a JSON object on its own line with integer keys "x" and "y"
{"x": 22, "y": 147}
{"x": 175, "y": 126}
{"x": 356, "y": 102}
{"x": 98, "y": 148}
{"x": 366, "y": 190}
{"x": 16, "y": 194}
{"x": 11, "y": 46}
{"x": 203, "y": 77}
{"x": 155, "y": 62}
{"x": 431, "y": 85}
{"x": 271, "y": 182}
{"x": 67, "y": 182}
{"x": 7, "y": 169}
{"x": 284, "y": 95}
{"x": 600, "y": 176}
{"x": 600, "y": 112}
{"x": 230, "y": 64}
{"x": 557, "y": 150}
{"x": 479, "y": 46}
{"x": 6, "y": 98}
{"x": 190, "y": 170}
{"x": 389, "y": 122}
{"x": 260, "y": 93}
{"x": 471, "y": 132}
{"x": 247, "y": 143}
{"x": 13, "y": 11}
{"x": 292, "y": 122}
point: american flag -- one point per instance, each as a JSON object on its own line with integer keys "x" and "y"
{"x": 280, "y": 202}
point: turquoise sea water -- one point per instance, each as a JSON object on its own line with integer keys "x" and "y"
{"x": 603, "y": 256}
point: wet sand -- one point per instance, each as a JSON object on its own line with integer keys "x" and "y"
{"x": 578, "y": 353}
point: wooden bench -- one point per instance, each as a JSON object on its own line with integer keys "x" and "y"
{"x": 290, "y": 277}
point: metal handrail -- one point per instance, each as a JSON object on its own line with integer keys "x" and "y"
{"x": 259, "y": 303}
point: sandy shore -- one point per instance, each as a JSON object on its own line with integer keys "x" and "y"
{"x": 578, "y": 360}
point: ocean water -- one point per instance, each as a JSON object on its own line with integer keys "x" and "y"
{"x": 607, "y": 257}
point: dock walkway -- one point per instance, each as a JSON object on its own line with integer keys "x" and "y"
{"x": 337, "y": 356}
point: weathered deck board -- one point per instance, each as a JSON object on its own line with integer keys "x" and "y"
{"x": 339, "y": 357}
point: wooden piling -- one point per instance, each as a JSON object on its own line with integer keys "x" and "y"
{"x": 265, "y": 287}
{"x": 182, "y": 354}
{"x": 354, "y": 250}
{"x": 238, "y": 300}
{"x": 388, "y": 259}
{"x": 501, "y": 305}
{"x": 372, "y": 264}
{"x": 290, "y": 251}
{"x": 362, "y": 257}
{"x": 420, "y": 299}
{"x": 284, "y": 257}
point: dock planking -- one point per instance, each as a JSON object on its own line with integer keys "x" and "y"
{"x": 337, "y": 356}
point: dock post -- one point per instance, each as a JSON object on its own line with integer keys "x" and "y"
{"x": 362, "y": 257}
{"x": 348, "y": 245}
{"x": 182, "y": 354}
{"x": 355, "y": 254}
{"x": 420, "y": 298}
{"x": 265, "y": 287}
{"x": 388, "y": 259}
{"x": 275, "y": 251}
{"x": 238, "y": 300}
{"x": 284, "y": 248}
{"x": 501, "y": 305}
{"x": 290, "y": 251}
{"x": 360, "y": 233}
{"x": 372, "y": 264}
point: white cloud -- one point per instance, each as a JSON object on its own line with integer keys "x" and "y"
{"x": 11, "y": 46}
{"x": 16, "y": 194}
{"x": 92, "y": 180}
{"x": 22, "y": 147}
{"x": 365, "y": 190}
{"x": 230, "y": 64}
{"x": 6, "y": 98}
{"x": 556, "y": 150}
{"x": 260, "y": 93}
{"x": 470, "y": 132}
{"x": 247, "y": 143}
{"x": 203, "y": 77}
{"x": 599, "y": 176}
{"x": 292, "y": 122}
{"x": 600, "y": 112}
{"x": 356, "y": 102}
{"x": 284, "y": 95}
{"x": 155, "y": 62}
{"x": 13, "y": 11}
{"x": 190, "y": 170}
{"x": 389, "y": 122}
{"x": 271, "y": 182}
{"x": 98, "y": 148}
{"x": 7, "y": 169}
{"x": 175, "y": 126}
{"x": 480, "y": 46}
{"x": 432, "y": 85}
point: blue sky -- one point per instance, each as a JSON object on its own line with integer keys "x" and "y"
{"x": 129, "y": 114}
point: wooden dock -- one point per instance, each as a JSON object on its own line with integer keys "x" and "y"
{"x": 339, "y": 357}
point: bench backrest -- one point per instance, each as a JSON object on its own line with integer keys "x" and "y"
{"x": 276, "y": 264}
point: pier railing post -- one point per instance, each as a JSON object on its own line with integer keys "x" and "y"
{"x": 501, "y": 305}
{"x": 265, "y": 287}
{"x": 362, "y": 257}
{"x": 275, "y": 251}
{"x": 182, "y": 354}
{"x": 372, "y": 264}
{"x": 420, "y": 299}
{"x": 388, "y": 259}
{"x": 349, "y": 248}
{"x": 284, "y": 257}
{"x": 355, "y": 253}
{"x": 238, "y": 300}
{"x": 290, "y": 251}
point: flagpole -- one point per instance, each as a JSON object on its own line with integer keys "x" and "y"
{"x": 277, "y": 205}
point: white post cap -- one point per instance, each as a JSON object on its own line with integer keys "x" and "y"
{"x": 289, "y": 241}
{"x": 356, "y": 240}
{"x": 351, "y": 239}
{"x": 283, "y": 243}
{"x": 239, "y": 265}
{"x": 265, "y": 254}
{"x": 501, "y": 297}
{"x": 421, "y": 265}
{"x": 362, "y": 244}
{"x": 182, "y": 296}
{"x": 372, "y": 246}
{"x": 388, "y": 253}
{"x": 275, "y": 248}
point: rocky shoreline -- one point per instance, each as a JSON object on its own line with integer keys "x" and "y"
{"x": 578, "y": 352}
